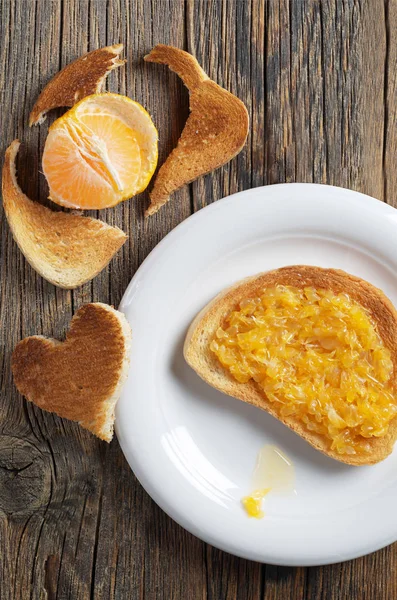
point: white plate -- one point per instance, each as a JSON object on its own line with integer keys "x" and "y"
{"x": 193, "y": 448}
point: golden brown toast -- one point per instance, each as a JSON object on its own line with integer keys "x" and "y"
{"x": 65, "y": 249}
{"x": 82, "y": 77}
{"x": 214, "y": 133}
{"x": 79, "y": 379}
{"x": 201, "y": 332}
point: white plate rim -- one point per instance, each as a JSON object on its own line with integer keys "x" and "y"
{"x": 136, "y": 464}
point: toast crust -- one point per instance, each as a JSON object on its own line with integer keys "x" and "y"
{"x": 79, "y": 379}
{"x": 65, "y": 249}
{"x": 202, "y": 330}
{"x": 214, "y": 133}
{"x": 82, "y": 77}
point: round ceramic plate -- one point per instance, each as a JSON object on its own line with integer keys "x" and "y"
{"x": 193, "y": 448}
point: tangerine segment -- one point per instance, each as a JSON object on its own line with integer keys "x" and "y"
{"x": 317, "y": 356}
{"x": 133, "y": 115}
{"x": 80, "y": 171}
{"x": 100, "y": 152}
{"x": 122, "y": 149}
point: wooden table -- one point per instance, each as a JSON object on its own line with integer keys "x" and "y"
{"x": 319, "y": 81}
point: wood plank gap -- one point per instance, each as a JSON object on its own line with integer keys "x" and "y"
{"x": 80, "y": 526}
{"x": 89, "y": 27}
{"x": 60, "y": 563}
{"x": 61, "y": 12}
{"x": 186, "y": 47}
{"x": 96, "y": 543}
{"x": 250, "y": 132}
{"x": 385, "y": 99}
{"x": 262, "y": 580}
{"x": 265, "y": 98}
{"x": 207, "y": 575}
{"x": 323, "y": 74}
{"x": 32, "y": 575}
{"x": 19, "y": 549}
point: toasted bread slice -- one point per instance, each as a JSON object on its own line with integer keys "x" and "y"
{"x": 214, "y": 133}
{"x": 80, "y": 78}
{"x": 79, "y": 379}
{"x": 65, "y": 249}
{"x": 201, "y": 332}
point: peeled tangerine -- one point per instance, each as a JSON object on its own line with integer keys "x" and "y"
{"x": 100, "y": 152}
{"x": 317, "y": 355}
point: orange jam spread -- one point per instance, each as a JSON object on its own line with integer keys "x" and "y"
{"x": 318, "y": 356}
{"x": 252, "y": 504}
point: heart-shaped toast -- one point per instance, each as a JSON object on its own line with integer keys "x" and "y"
{"x": 81, "y": 378}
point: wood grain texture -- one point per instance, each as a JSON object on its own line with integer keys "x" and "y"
{"x": 319, "y": 81}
